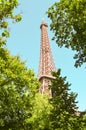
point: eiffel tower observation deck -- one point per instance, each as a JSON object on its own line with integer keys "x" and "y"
{"x": 46, "y": 63}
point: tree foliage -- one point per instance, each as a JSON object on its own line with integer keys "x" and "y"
{"x": 7, "y": 13}
{"x": 68, "y": 22}
{"x": 63, "y": 115}
{"x": 40, "y": 113}
{"x": 18, "y": 87}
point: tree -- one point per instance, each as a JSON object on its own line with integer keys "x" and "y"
{"x": 63, "y": 115}
{"x": 68, "y": 22}
{"x": 18, "y": 87}
{"x": 41, "y": 111}
{"x": 7, "y": 13}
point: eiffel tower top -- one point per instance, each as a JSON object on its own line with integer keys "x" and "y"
{"x": 46, "y": 63}
{"x": 43, "y": 23}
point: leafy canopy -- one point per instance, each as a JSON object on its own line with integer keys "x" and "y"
{"x": 18, "y": 87}
{"x": 63, "y": 115}
{"x": 68, "y": 22}
{"x": 40, "y": 113}
{"x": 7, "y": 13}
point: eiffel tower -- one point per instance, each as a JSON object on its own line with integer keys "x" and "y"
{"x": 46, "y": 63}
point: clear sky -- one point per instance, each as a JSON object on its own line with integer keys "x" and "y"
{"x": 25, "y": 41}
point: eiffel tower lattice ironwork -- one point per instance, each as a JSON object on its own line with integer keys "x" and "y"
{"x": 46, "y": 63}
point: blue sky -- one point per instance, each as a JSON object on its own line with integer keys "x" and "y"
{"x": 25, "y": 41}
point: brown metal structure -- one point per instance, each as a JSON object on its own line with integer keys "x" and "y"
{"x": 46, "y": 63}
